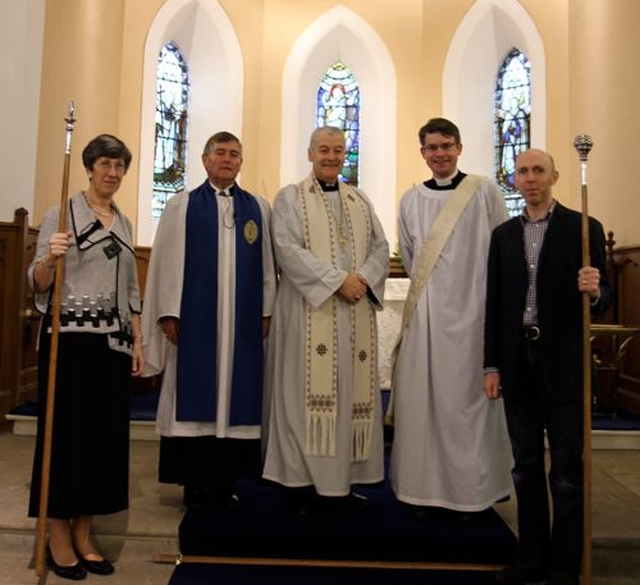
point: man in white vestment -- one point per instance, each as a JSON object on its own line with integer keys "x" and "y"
{"x": 209, "y": 294}
{"x": 323, "y": 419}
{"x": 450, "y": 449}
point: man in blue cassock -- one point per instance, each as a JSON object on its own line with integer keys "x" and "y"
{"x": 209, "y": 294}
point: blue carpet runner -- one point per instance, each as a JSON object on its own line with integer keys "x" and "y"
{"x": 264, "y": 525}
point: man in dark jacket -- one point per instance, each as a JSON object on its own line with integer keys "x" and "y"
{"x": 533, "y": 359}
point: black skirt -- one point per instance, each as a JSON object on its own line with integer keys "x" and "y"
{"x": 89, "y": 470}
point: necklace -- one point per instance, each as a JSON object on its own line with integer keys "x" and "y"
{"x": 339, "y": 221}
{"x": 96, "y": 210}
{"x": 228, "y": 215}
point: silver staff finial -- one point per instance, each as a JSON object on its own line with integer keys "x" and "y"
{"x": 583, "y": 144}
{"x": 70, "y": 122}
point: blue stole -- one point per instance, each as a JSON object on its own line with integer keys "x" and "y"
{"x": 197, "y": 375}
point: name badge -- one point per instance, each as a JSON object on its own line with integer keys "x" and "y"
{"x": 251, "y": 231}
{"x": 113, "y": 249}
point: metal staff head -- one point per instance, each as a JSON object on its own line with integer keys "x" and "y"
{"x": 70, "y": 121}
{"x": 583, "y": 144}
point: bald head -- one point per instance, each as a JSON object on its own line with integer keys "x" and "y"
{"x": 538, "y": 153}
{"x": 535, "y": 176}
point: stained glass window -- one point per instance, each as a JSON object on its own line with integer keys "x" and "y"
{"x": 512, "y": 123}
{"x": 170, "y": 157}
{"x": 338, "y": 104}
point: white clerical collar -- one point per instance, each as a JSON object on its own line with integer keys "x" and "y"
{"x": 446, "y": 181}
{"x": 222, "y": 192}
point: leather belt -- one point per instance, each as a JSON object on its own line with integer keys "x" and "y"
{"x": 532, "y": 333}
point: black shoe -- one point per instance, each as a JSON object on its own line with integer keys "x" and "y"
{"x": 103, "y": 567}
{"x": 194, "y": 497}
{"x": 74, "y": 572}
{"x": 423, "y": 513}
{"x": 519, "y": 575}
{"x": 563, "y": 579}
{"x": 468, "y": 517}
{"x": 227, "y": 500}
{"x": 429, "y": 513}
{"x": 356, "y": 501}
{"x": 303, "y": 500}
{"x": 332, "y": 504}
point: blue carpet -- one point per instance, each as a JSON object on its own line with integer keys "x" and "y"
{"x": 142, "y": 406}
{"x": 207, "y": 574}
{"x": 265, "y": 526}
{"x": 622, "y": 422}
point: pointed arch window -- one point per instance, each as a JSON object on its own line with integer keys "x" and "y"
{"x": 338, "y": 104}
{"x": 169, "y": 161}
{"x": 512, "y": 123}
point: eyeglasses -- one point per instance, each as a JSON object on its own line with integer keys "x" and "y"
{"x": 445, "y": 147}
{"x": 106, "y": 166}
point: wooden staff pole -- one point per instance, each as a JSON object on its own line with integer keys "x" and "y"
{"x": 583, "y": 145}
{"x": 53, "y": 357}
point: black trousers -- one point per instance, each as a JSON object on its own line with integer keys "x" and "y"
{"x": 208, "y": 461}
{"x": 530, "y": 410}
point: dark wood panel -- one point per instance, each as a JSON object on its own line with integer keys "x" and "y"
{"x": 626, "y": 269}
{"x": 18, "y": 323}
{"x": 143, "y": 253}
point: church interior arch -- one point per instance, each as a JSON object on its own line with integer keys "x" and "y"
{"x": 484, "y": 37}
{"x": 341, "y": 35}
{"x": 211, "y": 49}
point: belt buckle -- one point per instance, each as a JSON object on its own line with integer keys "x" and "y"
{"x": 532, "y": 333}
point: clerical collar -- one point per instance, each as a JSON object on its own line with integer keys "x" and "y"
{"x": 326, "y": 187}
{"x": 226, "y": 192}
{"x": 447, "y": 184}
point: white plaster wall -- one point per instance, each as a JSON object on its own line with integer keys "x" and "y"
{"x": 20, "y": 70}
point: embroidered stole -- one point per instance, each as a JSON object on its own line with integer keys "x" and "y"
{"x": 322, "y": 337}
{"x": 428, "y": 257}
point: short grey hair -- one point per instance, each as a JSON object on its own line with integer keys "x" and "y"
{"x": 329, "y": 130}
{"x": 221, "y": 138}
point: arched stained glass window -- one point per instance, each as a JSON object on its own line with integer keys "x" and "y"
{"x": 170, "y": 156}
{"x": 338, "y": 104}
{"x": 512, "y": 123}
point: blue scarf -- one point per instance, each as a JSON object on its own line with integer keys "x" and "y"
{"x": 197, "y": 376}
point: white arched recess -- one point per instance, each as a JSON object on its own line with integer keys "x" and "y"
{"x": 211, "y": 49}
{"x": 342, "y": 35}
{"x": 485, "y": 36}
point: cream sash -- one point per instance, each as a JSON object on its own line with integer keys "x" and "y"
{"x": 428, "y": 257}
{"x": 322, "y": 337}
